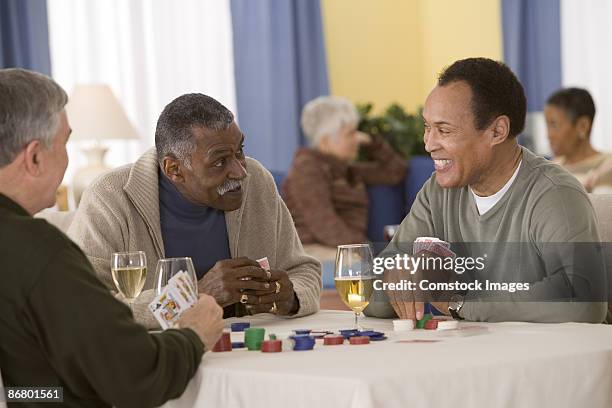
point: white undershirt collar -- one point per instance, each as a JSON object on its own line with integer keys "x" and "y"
{"x": 484, "y": 204}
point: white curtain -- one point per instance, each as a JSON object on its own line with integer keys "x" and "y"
{"x": 586, "y": 44}
{"x": 148, "y": 51}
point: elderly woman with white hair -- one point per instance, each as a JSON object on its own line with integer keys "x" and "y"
{"x": 325, "y": 188}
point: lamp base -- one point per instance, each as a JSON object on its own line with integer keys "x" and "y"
{"x": 84, "y": 176}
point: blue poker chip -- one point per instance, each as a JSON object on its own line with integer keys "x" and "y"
{"x": 349, "y": 333}
{"x": 371, "y": 334}
{"x": 303, "y": 342}
{"x": 302, "y": 331}
{"x": 378, "y": 338}
{"x": 240, "y": 326}
{"x": 238, "y": 344}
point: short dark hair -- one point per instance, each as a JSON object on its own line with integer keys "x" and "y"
{"x": 576, "y": 102}
{"x": 495, "y": 91}
{"x": 174, "y": 134}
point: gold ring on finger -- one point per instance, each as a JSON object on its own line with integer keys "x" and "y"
{"x": 244, "y": 298}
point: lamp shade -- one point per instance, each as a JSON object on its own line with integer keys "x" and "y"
{"x": 95, "y": 113}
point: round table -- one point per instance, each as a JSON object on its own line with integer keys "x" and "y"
{"x": 478, "y": 365}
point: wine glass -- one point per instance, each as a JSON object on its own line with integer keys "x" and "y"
{"x": 168, "y": 267}
{"x": 354, "y": 277}
{"x": 129, "y": 271}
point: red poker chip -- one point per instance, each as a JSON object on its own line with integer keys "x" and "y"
{"x": 359, "y": 340}
{"x": 431, "y": 324}
{"x": 333, "y": 340}
{"x": 272, "y": 346}
{"x": 224, "y": 343}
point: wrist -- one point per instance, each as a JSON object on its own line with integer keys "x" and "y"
{"x": 295, "y": 304}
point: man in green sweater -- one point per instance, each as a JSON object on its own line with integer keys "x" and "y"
{"x": 60, "y": 326}
{"x": 489, "y": 189}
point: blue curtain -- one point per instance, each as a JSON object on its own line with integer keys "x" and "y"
{"x": 24, "y": 36}
{"x": 532, "y": 46}
{"x": 280, "y": 64}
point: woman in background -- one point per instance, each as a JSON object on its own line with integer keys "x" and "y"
{"x": 569, "y": 118}
{"x": 325, "y": 188}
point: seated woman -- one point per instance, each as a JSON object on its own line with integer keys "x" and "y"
{"x": 569, "y": 118}
{"x": 325, "y": 188}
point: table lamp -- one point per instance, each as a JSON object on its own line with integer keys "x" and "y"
{"x": 95, "y": 114}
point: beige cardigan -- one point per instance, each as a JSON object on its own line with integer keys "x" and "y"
{"x": 120, "y": 212}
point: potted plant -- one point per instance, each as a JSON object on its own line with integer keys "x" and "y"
{"x": 402, "y": 130}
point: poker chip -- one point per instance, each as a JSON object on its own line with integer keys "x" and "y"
{"x": 403, "y": 325}
{"x": 253, "y": 337}
{"x": 349, "y": 333}
{"x": 448, "y": 324}
{"x": 302, "y": 331}
{"x": 240, "y": 326}
{"x": 420, "y": 324}
{"x": 380, "y": 338}
{"x": 371, "y": 334}
{"x": 431, "y": 324}
{"x": 303, "y": 342}
{"x": 319, "y": 334}
{"x": 272, "y": 346}
{"x": 223, "y": 344}
{"x": 238, "y": 344}
{"x": 333, "y": 340}
{"x": 359, "y": 340}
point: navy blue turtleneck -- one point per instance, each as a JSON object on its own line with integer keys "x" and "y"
{"x": 190, "y": 229}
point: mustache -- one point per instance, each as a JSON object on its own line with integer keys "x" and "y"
{"x": 228, "y": 185}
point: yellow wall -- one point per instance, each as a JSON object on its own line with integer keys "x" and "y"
{"x": 387, "y": 51}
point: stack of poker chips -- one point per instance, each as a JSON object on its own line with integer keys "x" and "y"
{"x": 224, "y": 343}
{"x": 403, "y": 325}
{"x": 333, "y": 340}
{"x": 272, "y": 346}
{"x": 253, "y": 337}
{"x": 239, "y": 327}
{"x": 420, "y": 324}
{"x": 302, "y": 342}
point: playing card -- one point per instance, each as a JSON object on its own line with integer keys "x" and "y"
{"x": 167, "y": 309}
{"x": 264, "y": 263}
{"x": 180, "y": 295}
{"x": 433, "y": 245}
{"x": 183, "y": 282}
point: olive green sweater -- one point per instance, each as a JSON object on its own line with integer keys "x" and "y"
{"x": 61, "y": 327}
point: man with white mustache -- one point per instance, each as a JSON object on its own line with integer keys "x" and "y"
{"x": 197, "y": 195}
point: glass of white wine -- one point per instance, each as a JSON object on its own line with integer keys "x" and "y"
{"x": 129, "y": 270}
{"x": 354, "y": 277}
{"x": 168, "y": 267}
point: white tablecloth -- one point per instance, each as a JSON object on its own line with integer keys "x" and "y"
{"x": 480, "y": 365}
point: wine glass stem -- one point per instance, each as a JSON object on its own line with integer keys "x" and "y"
{"x": 357, "y": 320}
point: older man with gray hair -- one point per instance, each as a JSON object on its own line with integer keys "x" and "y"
{"x": 60, "y": 327}
{"x": 325, "y": 188}
{"x": 197, "y": 195}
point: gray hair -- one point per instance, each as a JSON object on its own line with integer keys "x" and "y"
{"x": 325, "y": 115}
{"x": 174, "y": 132}
{"x": 30, "y": 104}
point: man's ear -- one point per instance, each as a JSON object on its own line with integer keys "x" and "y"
{"x": 501, "y": 129}
{"x": 33, "y": 158}
{"x": 583, "y": 124}
{"x": 172, "y": 168}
